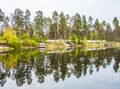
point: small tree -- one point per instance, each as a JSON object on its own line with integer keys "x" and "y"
{"x": 9, "y": 35}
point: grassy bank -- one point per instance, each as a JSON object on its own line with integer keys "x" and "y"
{"x": 28, "y": 43}
{"x": 55, "y": 45}
{"x": 102, "y": 44}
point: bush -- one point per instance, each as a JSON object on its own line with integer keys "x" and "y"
{"x": 27, "y": 42}
{"x": 36, "y": 38}
{"x": 9, "y": 35}
{"x": 74, "y": 39}
{"x": 15, "y": 44}
{"x": 33, "y": 43}
{"x": 13, "y": 41}
{"x": 20, "y": 43}
{"x": 24, "y": 36}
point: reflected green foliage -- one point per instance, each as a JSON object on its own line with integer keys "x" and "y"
{"x": 74, "y": 38}
{"x": 20, "y": 65}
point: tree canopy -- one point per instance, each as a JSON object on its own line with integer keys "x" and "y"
{"x": 60, "y": 26}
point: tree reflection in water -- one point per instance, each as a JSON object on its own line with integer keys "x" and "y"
{"x": 18, "y": 66}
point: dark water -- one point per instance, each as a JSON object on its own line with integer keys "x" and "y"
{"x": 78, "y": 69}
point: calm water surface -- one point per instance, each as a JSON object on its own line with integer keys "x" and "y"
{"x": 78, "y": 69}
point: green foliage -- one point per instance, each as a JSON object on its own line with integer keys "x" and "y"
{"x": 16, "y": 44}
{"x": 63, "y": 26}
{"x": 59, "y": 43}
{"x": 96, "y": 35}
{"x": 74, "y": 39}
{"x": 97, "y": 25}
{"x": 11, "y": 60}
{"x": 9, "y": 35}
{"x": 39, "y": 24}
{"x": 74, "y": 53}
{"x": 55, "y": 28}
{"x": 116, "y": 22}
{"x": 55, "y": 45}
{"x": 91, "y": 35}
{"x": 85, "y": 52}
{"x": 18, "y": 19}
{"x": 36, "y": 38}
{"x": 24, "y": 36}
{"x": 13, "y": 41}
{"x": 28, "y": 42}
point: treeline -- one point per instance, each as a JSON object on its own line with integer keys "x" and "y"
{"x": 60, "y": 26}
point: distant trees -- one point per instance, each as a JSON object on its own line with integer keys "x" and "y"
{"x": 2, "y": 15}
{"x": 60, "y": 26}
{"x": 90, "y": 27}
{"x": 39, "y": 23}
{"x": 27, "y": 23}
{"x": 18, "y": 19}
{"x": 85, "y": 26}
{"x": 116, "y": 29}
{"x": 116, "y": 23}
{"x": 55, "y": 24}
{"x": 77, "y": 25}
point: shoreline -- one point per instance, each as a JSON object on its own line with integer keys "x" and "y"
{"x": 60, "y": 45}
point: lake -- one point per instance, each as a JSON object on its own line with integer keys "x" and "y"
{"x": 75, "y": 69}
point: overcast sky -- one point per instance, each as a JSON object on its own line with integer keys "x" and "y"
{"x": 101, "y": 9}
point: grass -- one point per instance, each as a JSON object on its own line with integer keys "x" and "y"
{"x": 103, "y": 44}
{"x": 94, "y": 45}
{"x": 55, "y": 45}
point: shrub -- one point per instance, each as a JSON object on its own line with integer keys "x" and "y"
{"x": 24, "y": 36}
{"x": 13, "y": 41}
{"x": 9, "y": 35}
{"x": 16, "y": 44}
{"x": 74, "y": 39}
{"x": 28, "y": 42}
{"x": 36, "y": 38}
{"x": 34, "y": 43}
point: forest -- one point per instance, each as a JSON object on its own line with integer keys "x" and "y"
{"x": 20, "y": 28}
